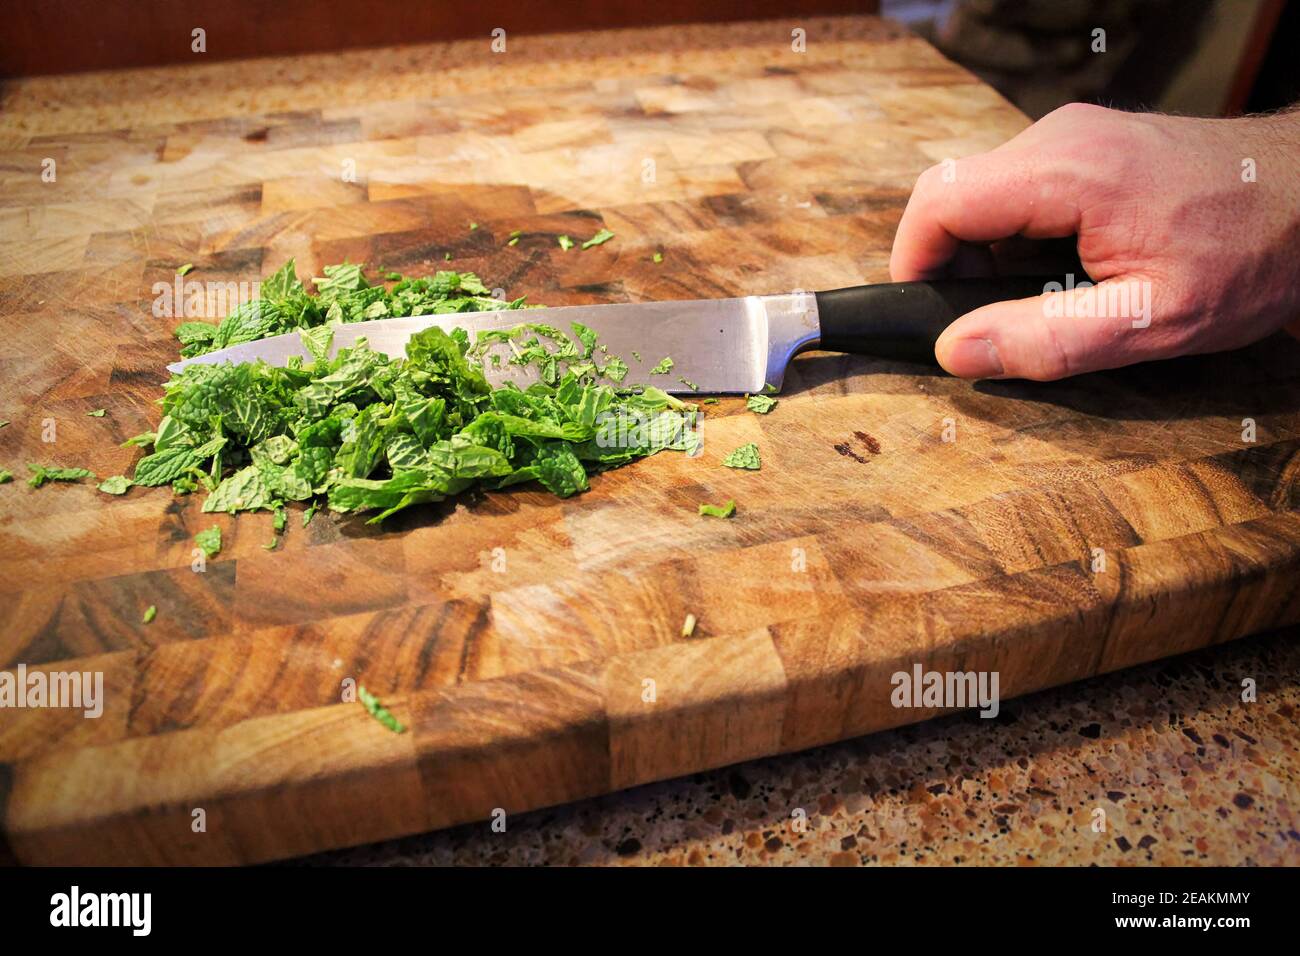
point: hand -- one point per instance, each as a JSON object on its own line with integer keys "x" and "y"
{"x": 1166, "y": 214}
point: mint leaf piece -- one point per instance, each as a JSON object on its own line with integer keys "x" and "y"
{"x": 115, "y": 485}
{"x": 715, "y": 511}
{"x": 379, "y": 711}
{"x": 210, "y": 541}
{"x": 746, "y": 456}
{"x": 42, "y": 474}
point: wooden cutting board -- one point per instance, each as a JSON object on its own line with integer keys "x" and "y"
{"x": 1064, "y": 530}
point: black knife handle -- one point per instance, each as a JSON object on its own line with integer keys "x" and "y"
{"x": 902, "y": 320}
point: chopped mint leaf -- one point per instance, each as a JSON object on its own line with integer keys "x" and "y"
{"x": 615, "y": 370}
{"x": 210, "y": 541}
{"x": 657, "y": 258}
{"x": 515, "y": 233}
{"x": 195, "y": 337}
{"x": 446, "y": 256}
{"x": 270, "y": 545}
{"x": 746, "y": 456}
{"x": 97, "y": 413}
{"x": 6, "y": 476}
{"x": 3, "y": 422}
{"x": 688, "y": 626}
{"x": 115, "y": 485}
{"x": 150, "y": 613}
{"x": 310, "y": 513}
{"x": 760, "y": 404}
{"x": 513, "y": 242}
{"x": 769, "y": 389}
{"x": 688, "y": 383}
{"x": 586, "y": 336}
{"x": 708, "y": 401}
{"x": 379, "y": 711}
{"x": 715, "y": 511}
{"x": 663, "y": 368}
{"x": 42, "y": 474}
{"x": 636, "y": 355}
{"x": 167, "y": 464}
{"x": 473, "y": 226}
{"x": 598, "y": 239}
{"x": 393, "y": 276}
{"x": 565, "y": 242}
{"x": 185, "y": 269}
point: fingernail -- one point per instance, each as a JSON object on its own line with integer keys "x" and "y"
{"x": 973, "y": 358}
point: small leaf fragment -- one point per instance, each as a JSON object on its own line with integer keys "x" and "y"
{"x": 760, "y": 404}
{"x": 210, "y": 541}
{"x": 716, "y": 511}
{"x": 115, "y": 485}
{"x": 150, "y": 613}
{"x": 379, "y": 711}
{"x": 598, "y": 239}
{"x": 41, "y": 474}
{"x": 746, "y": 457}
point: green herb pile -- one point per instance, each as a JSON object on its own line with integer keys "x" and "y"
{"x": 367, "y": 432}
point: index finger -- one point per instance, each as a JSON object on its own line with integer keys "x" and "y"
{"x": 979, "y": 199}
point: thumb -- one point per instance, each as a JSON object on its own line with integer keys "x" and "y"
{"x": 1053, "y": 335}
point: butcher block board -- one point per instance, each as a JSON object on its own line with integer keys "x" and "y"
{"x": 532, "y": 646}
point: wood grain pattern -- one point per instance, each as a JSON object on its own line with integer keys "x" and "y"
{"x": 865, "y": 545}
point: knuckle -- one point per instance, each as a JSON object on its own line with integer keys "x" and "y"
{"x": 930, "y": 179}
{"x": 1078, "y": 112}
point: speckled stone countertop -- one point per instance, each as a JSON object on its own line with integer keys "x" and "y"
{"x": 1180, "y": 768}
{"x": 1183, "y": 771}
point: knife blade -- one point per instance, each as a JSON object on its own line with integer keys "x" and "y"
{"x": 719, "y": 346}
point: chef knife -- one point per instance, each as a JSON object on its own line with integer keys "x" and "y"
{"x": 716, "y": 345}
